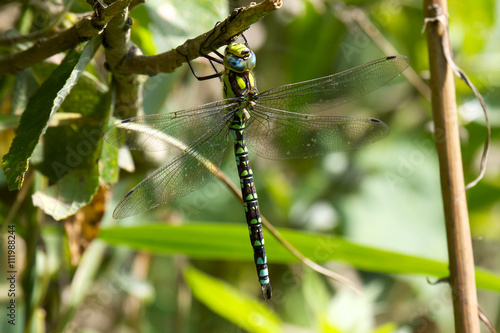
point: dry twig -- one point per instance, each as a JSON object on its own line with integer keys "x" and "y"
{"x": 462, "y": 279}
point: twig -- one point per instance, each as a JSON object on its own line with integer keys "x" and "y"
{"x": 462, "y": 279}
{"x": 240, "y": 20}
{"x": 484, "y": 319}
{"x": 13, "y": 38}
{"x": 64, "y": 40}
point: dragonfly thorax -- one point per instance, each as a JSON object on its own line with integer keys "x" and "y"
{"x": 238, "y": 77}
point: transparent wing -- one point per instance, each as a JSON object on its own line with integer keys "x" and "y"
{"x": 334, "y": 90}
{"x": 187, "y": 172}
{"x": 201, "y": 134}
{"x": 160, "y": 132}
{"x": 277, "y": 134}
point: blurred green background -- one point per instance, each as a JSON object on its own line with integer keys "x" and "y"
{"x": 385, "y": 196}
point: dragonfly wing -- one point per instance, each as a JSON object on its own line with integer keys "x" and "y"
{"x": 334, "y": 90}
{"x": 277, "y": 134}
{"x": 189, "y": 171}
{"x": 160, "y": 132}
{"x": 201, "y": 134}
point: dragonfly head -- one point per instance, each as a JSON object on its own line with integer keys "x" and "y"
{"x": 239, "y": 58}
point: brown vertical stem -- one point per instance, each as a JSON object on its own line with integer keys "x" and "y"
{"x": 462, "y": 280}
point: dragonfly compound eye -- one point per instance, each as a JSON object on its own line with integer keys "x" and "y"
{"x": 235, "y": 63}
{"x": 251, "y": 59}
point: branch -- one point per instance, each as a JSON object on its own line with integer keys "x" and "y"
{"x": 12, "y": 38}
{"x": 239, "y": 21}
{"x": 83, "y": 30}
{"x": 444, "y": 109}
{"x": 126, "y": 62}
{"x": 127, "y": 87}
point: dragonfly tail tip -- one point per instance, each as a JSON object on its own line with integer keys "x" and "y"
{"x": 267, "y": 291}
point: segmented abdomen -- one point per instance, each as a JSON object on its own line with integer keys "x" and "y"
{"x": 250, "y": 202}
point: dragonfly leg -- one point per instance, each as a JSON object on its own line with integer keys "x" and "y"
{"x": 210, "y": 58}
{"x": 203, "y": 78}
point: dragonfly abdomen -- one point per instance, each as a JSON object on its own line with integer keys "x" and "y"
{"x": 251, "y": 203}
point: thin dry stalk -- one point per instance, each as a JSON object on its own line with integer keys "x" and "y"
{"x": 462, "y": 279}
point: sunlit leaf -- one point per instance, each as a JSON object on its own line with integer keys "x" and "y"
{"x": 73, "y": 191}
{"x": 229, "y": 242}
{"x": 228, "y": 302}
{"x": 41, "y": 107}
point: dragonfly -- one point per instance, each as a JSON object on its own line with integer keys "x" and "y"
{"x": 280, "y": 123}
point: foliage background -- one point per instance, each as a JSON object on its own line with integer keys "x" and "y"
{"x": 385, "y": 196}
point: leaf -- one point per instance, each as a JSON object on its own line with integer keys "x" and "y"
{"x": 108, "y": 163}
{"x": 82, "y": 138}
{"x": 73, "y": 191}
{"x": 74, "y": 165}
{"x": 230, "y": 242}
{"x": 66, "y": 148}
{"x": 41, "y": 107}
{"x": 229, "y": 303}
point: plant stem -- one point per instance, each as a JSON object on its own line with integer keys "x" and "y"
{"x": 462, "y": 280}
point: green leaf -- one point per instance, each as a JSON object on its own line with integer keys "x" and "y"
{"x": 73, "y": 191}
{"x": 229, "y": 303}
{"x": 108, "y": 163}
{"x": 67, "y": 148}
{"x": 70, "y": 155}
{"x": 82, "y": 136}
{"x": 40, "y": 109}
{"x": 230, "y": 242}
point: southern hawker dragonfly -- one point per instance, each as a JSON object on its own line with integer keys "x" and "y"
{"x": 279, "y": 123}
